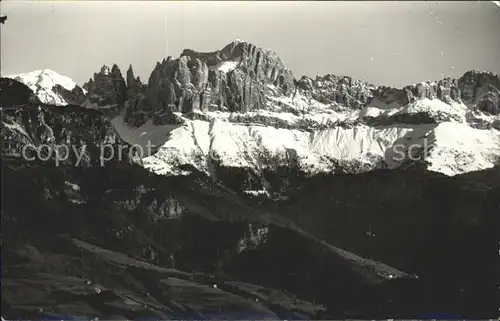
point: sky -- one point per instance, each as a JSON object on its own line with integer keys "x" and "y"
{"x": 385, "y": 43}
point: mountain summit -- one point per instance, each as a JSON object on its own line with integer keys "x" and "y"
{"x": 51, "y": 87}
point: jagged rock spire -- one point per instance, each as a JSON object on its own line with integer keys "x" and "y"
{"x": 130, "y": 76}
{"x": 134, "y": 84}
{"x": 107, "y": 87}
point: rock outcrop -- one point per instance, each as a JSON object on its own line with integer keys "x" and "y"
{"x": 107, "y": 88}
{"x": 135, "y": 86}
{"x": 477, "y": 90}
{"x": 234, "y": 79}
{"x": 76, "y": 96}
{"x": 14, "y": 93}
{"x": 481, "y": 90}
{"x": 338, "y": 90}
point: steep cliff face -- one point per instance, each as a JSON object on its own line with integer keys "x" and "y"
{"x": 107, "y": 88}
{"x": 134, "y": 85}
{"x": 446, "y": 90}
{"x": 338, "y": 90}
{"x": 233, "y": 79}
{"x": 481, "y": 90}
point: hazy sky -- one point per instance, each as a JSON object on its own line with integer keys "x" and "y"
{"x": 391, "y": 43}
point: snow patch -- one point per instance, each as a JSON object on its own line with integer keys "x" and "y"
{"x": 451, "y": 148}
{"x": 235, "y": 145}
{"x": 435, "y": 107}
{"x": 371, "y": 112}
{"x": 227, "y": 66}
{"x": 261, "y": 192}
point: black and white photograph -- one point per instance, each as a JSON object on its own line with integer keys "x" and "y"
{"x": 250, "y": 160}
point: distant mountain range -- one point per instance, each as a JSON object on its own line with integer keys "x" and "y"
{"x": 240, "y": 109}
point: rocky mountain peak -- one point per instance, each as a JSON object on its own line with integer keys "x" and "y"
{"x": 332, "y": 89}
{"x": 107, "y": 87}
{"x": 257, "y": 63}
{"x": 130, "y": 75}
{"x": 481, "y": 90}
{"x": 105, "y": 70}
{"x": 51, "y": 87}
{"x": 134, "y": 84}
{"x": 115, "y": 71}
{"x": 235, "y": 78}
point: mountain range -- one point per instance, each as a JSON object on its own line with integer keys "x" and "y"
{"x": 264, "y": 196}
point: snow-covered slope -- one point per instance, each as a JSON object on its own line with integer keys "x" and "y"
{"x": 47, "y": 85}
{"x": 448, "y": 147}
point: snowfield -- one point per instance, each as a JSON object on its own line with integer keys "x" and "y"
{"x": 42, "y": 82}
{"x": 450, "y": 148}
